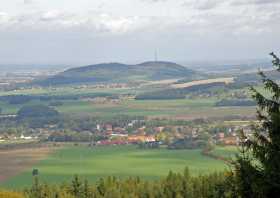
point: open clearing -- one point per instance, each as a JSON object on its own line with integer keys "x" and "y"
{"x": 120, "y": 161}
{"x": 16, "y": 161}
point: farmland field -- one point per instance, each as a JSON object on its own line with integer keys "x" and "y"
{"x": 199, "y": 107}
{"x": 181, "y": 108}
{"x": 120, "y": 161}
{"x": 15, "y": 161}
{"x": 203, "y": 82}
{"x": 225, "y": 151}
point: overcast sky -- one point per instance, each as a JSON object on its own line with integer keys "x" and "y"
{"x": 92, "y": 31}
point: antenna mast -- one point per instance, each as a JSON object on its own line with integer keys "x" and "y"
{"x": 156, "y": 56}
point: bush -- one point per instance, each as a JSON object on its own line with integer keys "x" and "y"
{"x": 37, "y": 116}
{"x": 36, "y": 111}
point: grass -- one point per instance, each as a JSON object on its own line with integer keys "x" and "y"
{"x": 183, "y": 108}
{"x": 120, "y": 161}
{"x": 13, "y": 108}
{"x": 225, "y": 151}
{"x": 65, "y": 90}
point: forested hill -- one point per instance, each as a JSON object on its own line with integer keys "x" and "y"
{"x": 122, "y": 73}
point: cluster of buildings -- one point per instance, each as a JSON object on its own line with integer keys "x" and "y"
{"x": 120, "y": 136}
{"x": 231, "y": 137}
{"x": 5, "y": 138}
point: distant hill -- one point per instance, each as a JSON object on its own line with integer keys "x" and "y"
{"x": 254, "y": 78}
{"x": 122, "y": 73}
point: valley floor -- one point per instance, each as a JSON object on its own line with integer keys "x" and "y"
{"x": 120, "y": 161}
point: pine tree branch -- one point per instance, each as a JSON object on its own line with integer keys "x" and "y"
{"x": 275, "y": 61}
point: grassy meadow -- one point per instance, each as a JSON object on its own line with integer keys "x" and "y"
{"x": 120, "y": 161}
{"x": 178, "y": 108}
{"x": 226, "y": 151}
{"x": 181, "y": 108}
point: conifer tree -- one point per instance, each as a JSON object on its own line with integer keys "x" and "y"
{"x": 77, "y": 187}
{"x": 258, "y": 165}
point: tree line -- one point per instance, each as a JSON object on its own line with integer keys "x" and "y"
{"x": 175, "y": 185}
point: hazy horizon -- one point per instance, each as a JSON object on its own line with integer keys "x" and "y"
{"x": 129, "y": 31}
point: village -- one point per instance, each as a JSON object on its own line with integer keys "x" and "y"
{"x": 169, "y": 134}
{"x": 108, "y": 134}
{"x": 136, "y": 132}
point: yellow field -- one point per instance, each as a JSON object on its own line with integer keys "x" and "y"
{"x": 203, "y": 82}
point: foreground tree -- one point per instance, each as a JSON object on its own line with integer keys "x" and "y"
{"x": 258, "y": 166}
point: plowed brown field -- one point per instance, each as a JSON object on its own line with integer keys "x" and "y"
{"x": 13, "y": 162}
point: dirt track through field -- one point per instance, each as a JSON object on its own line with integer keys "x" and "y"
{"x": 13, "y": 162}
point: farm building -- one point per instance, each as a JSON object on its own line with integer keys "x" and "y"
{"x": 141, "y": 138}
{"x": 231, "y": 140}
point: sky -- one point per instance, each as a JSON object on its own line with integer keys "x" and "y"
{"x": 81, "y": 32}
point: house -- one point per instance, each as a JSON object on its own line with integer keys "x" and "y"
{"x": 231, "y": 140}
{"x": 141, "y": 130}
{"x": 150, "y": 138}
{"x": 108, "y": 127}
{"x": 108, "y": 133}
{"x": 141, "y": 138}
{"x": 220, "y": 136}
{"x": 25, "y": 137}
{"x": 159, "y": 129}
{"x": 119, "y": 130}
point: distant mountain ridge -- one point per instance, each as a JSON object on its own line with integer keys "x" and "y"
{"x": 121, "y": 73}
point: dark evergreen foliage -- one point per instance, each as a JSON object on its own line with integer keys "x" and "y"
{"x": 257, "y": 167}
{"x": 36, "y": 111}
{"x": 175, "y": 185}
{"x": 37, "y": 116}
{"x": 181, "y": 93}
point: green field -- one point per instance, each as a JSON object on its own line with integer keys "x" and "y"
{"x": 226, "y": 151}
{"x": 120, "y": 161}
{"x": 189, "y": 109}
{"x": 185, "y": 108}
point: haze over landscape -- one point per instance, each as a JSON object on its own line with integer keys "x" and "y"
{"x": 129, "y": 31}
{"x": 139, "y": 99}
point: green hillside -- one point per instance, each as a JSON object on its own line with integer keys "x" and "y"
{"x": 120, "y": 73}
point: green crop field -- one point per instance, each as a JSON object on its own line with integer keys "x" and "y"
{"x": 226, "y": 151}
{"x": 183, "y": 108}
{"x": 120, "y": 161}
{"x": 168, "y": 108}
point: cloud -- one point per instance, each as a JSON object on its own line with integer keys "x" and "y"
{"x": 254, "y": 2}
{"x": 154, "y": 1}
{"x": 96, "y": 22}
{"x": 225, "y": 20}
{"x": 54, "y": 15}
{"x": 208, "y": 25}
{"x": 27, "y": 2}
{"x": 202, "y": 4}
{"x": 194, "y": 4}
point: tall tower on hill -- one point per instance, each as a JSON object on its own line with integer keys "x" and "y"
{"x": 156, "y": 56}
